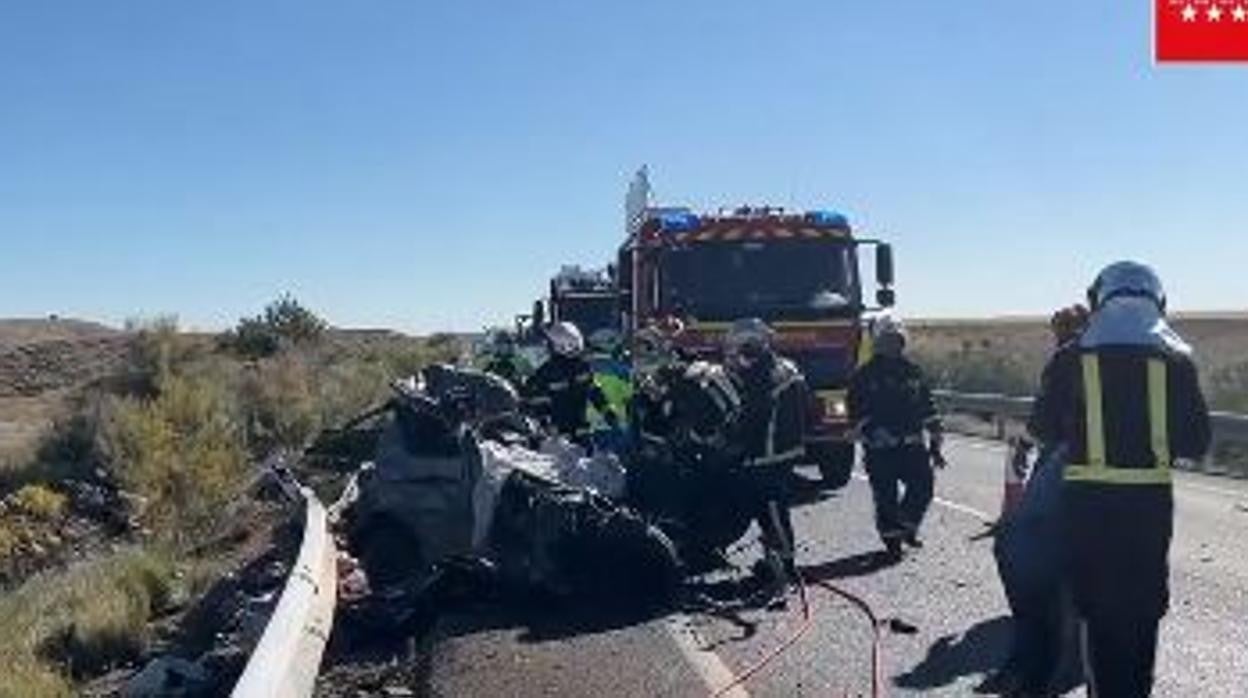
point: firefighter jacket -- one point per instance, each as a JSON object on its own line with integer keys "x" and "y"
{"x": 1124, "y": 411}
{"x": 772, "y": 423}
{"x": 561, "y": 389}
{"x": 685, "y": 405}
{"x": 890, "y": 403}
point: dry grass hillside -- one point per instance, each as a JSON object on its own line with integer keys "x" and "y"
{"x": 1006, "y": 354}
{"x": 31, "y": 330}
{"x": 121, "y": 453}
{"x": 43, "y": 364}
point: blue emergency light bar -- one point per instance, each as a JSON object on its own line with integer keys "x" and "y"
{"x": 679, "y": 222}
{"x": 827, "y": 219}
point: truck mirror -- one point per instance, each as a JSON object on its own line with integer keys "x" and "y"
{"x": 886, "y": 297}
{"x": 884, "y": 265}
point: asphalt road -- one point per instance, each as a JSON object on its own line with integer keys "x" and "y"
{"x": 949, "y": 591}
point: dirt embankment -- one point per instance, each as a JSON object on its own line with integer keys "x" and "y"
{"x": 34, "y": 368}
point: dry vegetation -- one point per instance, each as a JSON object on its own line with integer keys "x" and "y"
{"x": 177, "y": 426}
{"x": 1007, "y": 355}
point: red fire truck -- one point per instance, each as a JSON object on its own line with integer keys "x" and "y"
{"x": 797, "y": 271}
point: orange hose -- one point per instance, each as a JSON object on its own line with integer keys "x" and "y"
{"x": 807, "y": 622}
{"x": 877, "y": 650}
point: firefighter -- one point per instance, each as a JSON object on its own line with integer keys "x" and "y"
{"x": 890, "y": 405}
{"x": 1125, "y": 401}
{"x": 769, "y": 434}
{"x": 611, "y": 372}
{"x": 563, "y": 387}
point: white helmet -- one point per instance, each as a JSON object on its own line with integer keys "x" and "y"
{"x": 889, "y": 335}
{"x": 747, "y": 339}
{"x": 888, "y": 324}
{"x": 565, "y": 339}
{"x": 1126, "y": 279}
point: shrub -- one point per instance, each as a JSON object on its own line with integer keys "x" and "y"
{"x": 10, "y": 539}
{"x": 284, "y": 322}
{"x": 292, "y": 321}
{"x": 66, "y": 451}
{"x": 155, "y": 349}
{"x": 111, "y": 627}
{"x": 39, "y": 502}
{"x": 81, "y": 621}
{"x": 280, "y": 404}
{"x": 182, "y": 451}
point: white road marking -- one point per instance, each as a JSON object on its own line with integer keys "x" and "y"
{"x": 708, "y": 665}
{"x": 972, "y": 511}
{"x": 986, "y": 518}
{"x": 1188, "y": 484}
{"x": 980, "y": 445}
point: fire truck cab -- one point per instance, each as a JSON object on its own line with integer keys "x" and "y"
{"x": 586, "y": 298}
{"x": 799, "y": 272}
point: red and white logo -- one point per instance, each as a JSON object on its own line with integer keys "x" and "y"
{"x": 1201, "y": 30}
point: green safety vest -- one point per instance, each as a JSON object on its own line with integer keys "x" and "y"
{"x": 1097, "y": 470}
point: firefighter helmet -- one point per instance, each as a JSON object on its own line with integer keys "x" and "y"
{"x": 565, "y": 339}
{"x": 1126, "y": 278}
{"x": 889, "y": 335}
{"x": 747, "y": 340}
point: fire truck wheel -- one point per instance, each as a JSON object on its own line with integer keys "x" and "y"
{"x": 836, "y": 463}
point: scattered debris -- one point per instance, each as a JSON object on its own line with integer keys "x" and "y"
{"x": 167, "y": 677}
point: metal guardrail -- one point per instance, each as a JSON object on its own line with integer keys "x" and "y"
{"x": 1002, "y": 409}
{"x": 286, "y": 660}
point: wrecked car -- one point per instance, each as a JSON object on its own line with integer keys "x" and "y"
{"x": 460, "y": 473}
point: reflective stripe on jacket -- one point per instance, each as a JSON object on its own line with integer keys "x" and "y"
{"x": 774, "y": 414}
{"x": 1126, "y": 412}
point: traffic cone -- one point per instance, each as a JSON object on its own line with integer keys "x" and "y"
{"x": 1016, "y": 467}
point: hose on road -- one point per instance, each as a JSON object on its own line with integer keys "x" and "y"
{"x": 807, "y": 622}
{"x": 877, "y": 636}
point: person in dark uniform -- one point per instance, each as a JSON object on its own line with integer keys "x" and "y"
{"x": 1126, "y": 403}
{"x": 769, "y": 433}
{"x": 562, "y": 388}
{"x": 890, "y": 405}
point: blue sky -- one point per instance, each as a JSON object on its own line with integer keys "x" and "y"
{"x": 427, "y": 165}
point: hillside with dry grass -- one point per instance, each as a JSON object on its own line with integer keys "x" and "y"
{"x": 127, "y": 460}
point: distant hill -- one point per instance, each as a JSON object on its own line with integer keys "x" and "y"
{"x": 14, "y": 331}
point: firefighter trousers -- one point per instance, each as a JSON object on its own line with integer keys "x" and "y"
{"x": 766, "y": 493}
{"x": 1118, "y": 540}
{"x": 899, "y": 514}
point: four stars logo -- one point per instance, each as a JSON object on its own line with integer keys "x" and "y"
{"x": 1201, "y": 30}
{"x": 1215, "y": 11}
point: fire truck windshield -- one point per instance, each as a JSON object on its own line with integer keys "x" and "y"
{"x": 774, "y": 280}
{"x": 589, "y": 312}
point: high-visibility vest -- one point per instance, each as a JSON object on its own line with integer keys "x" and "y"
{"x": 1097, "y": 469}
